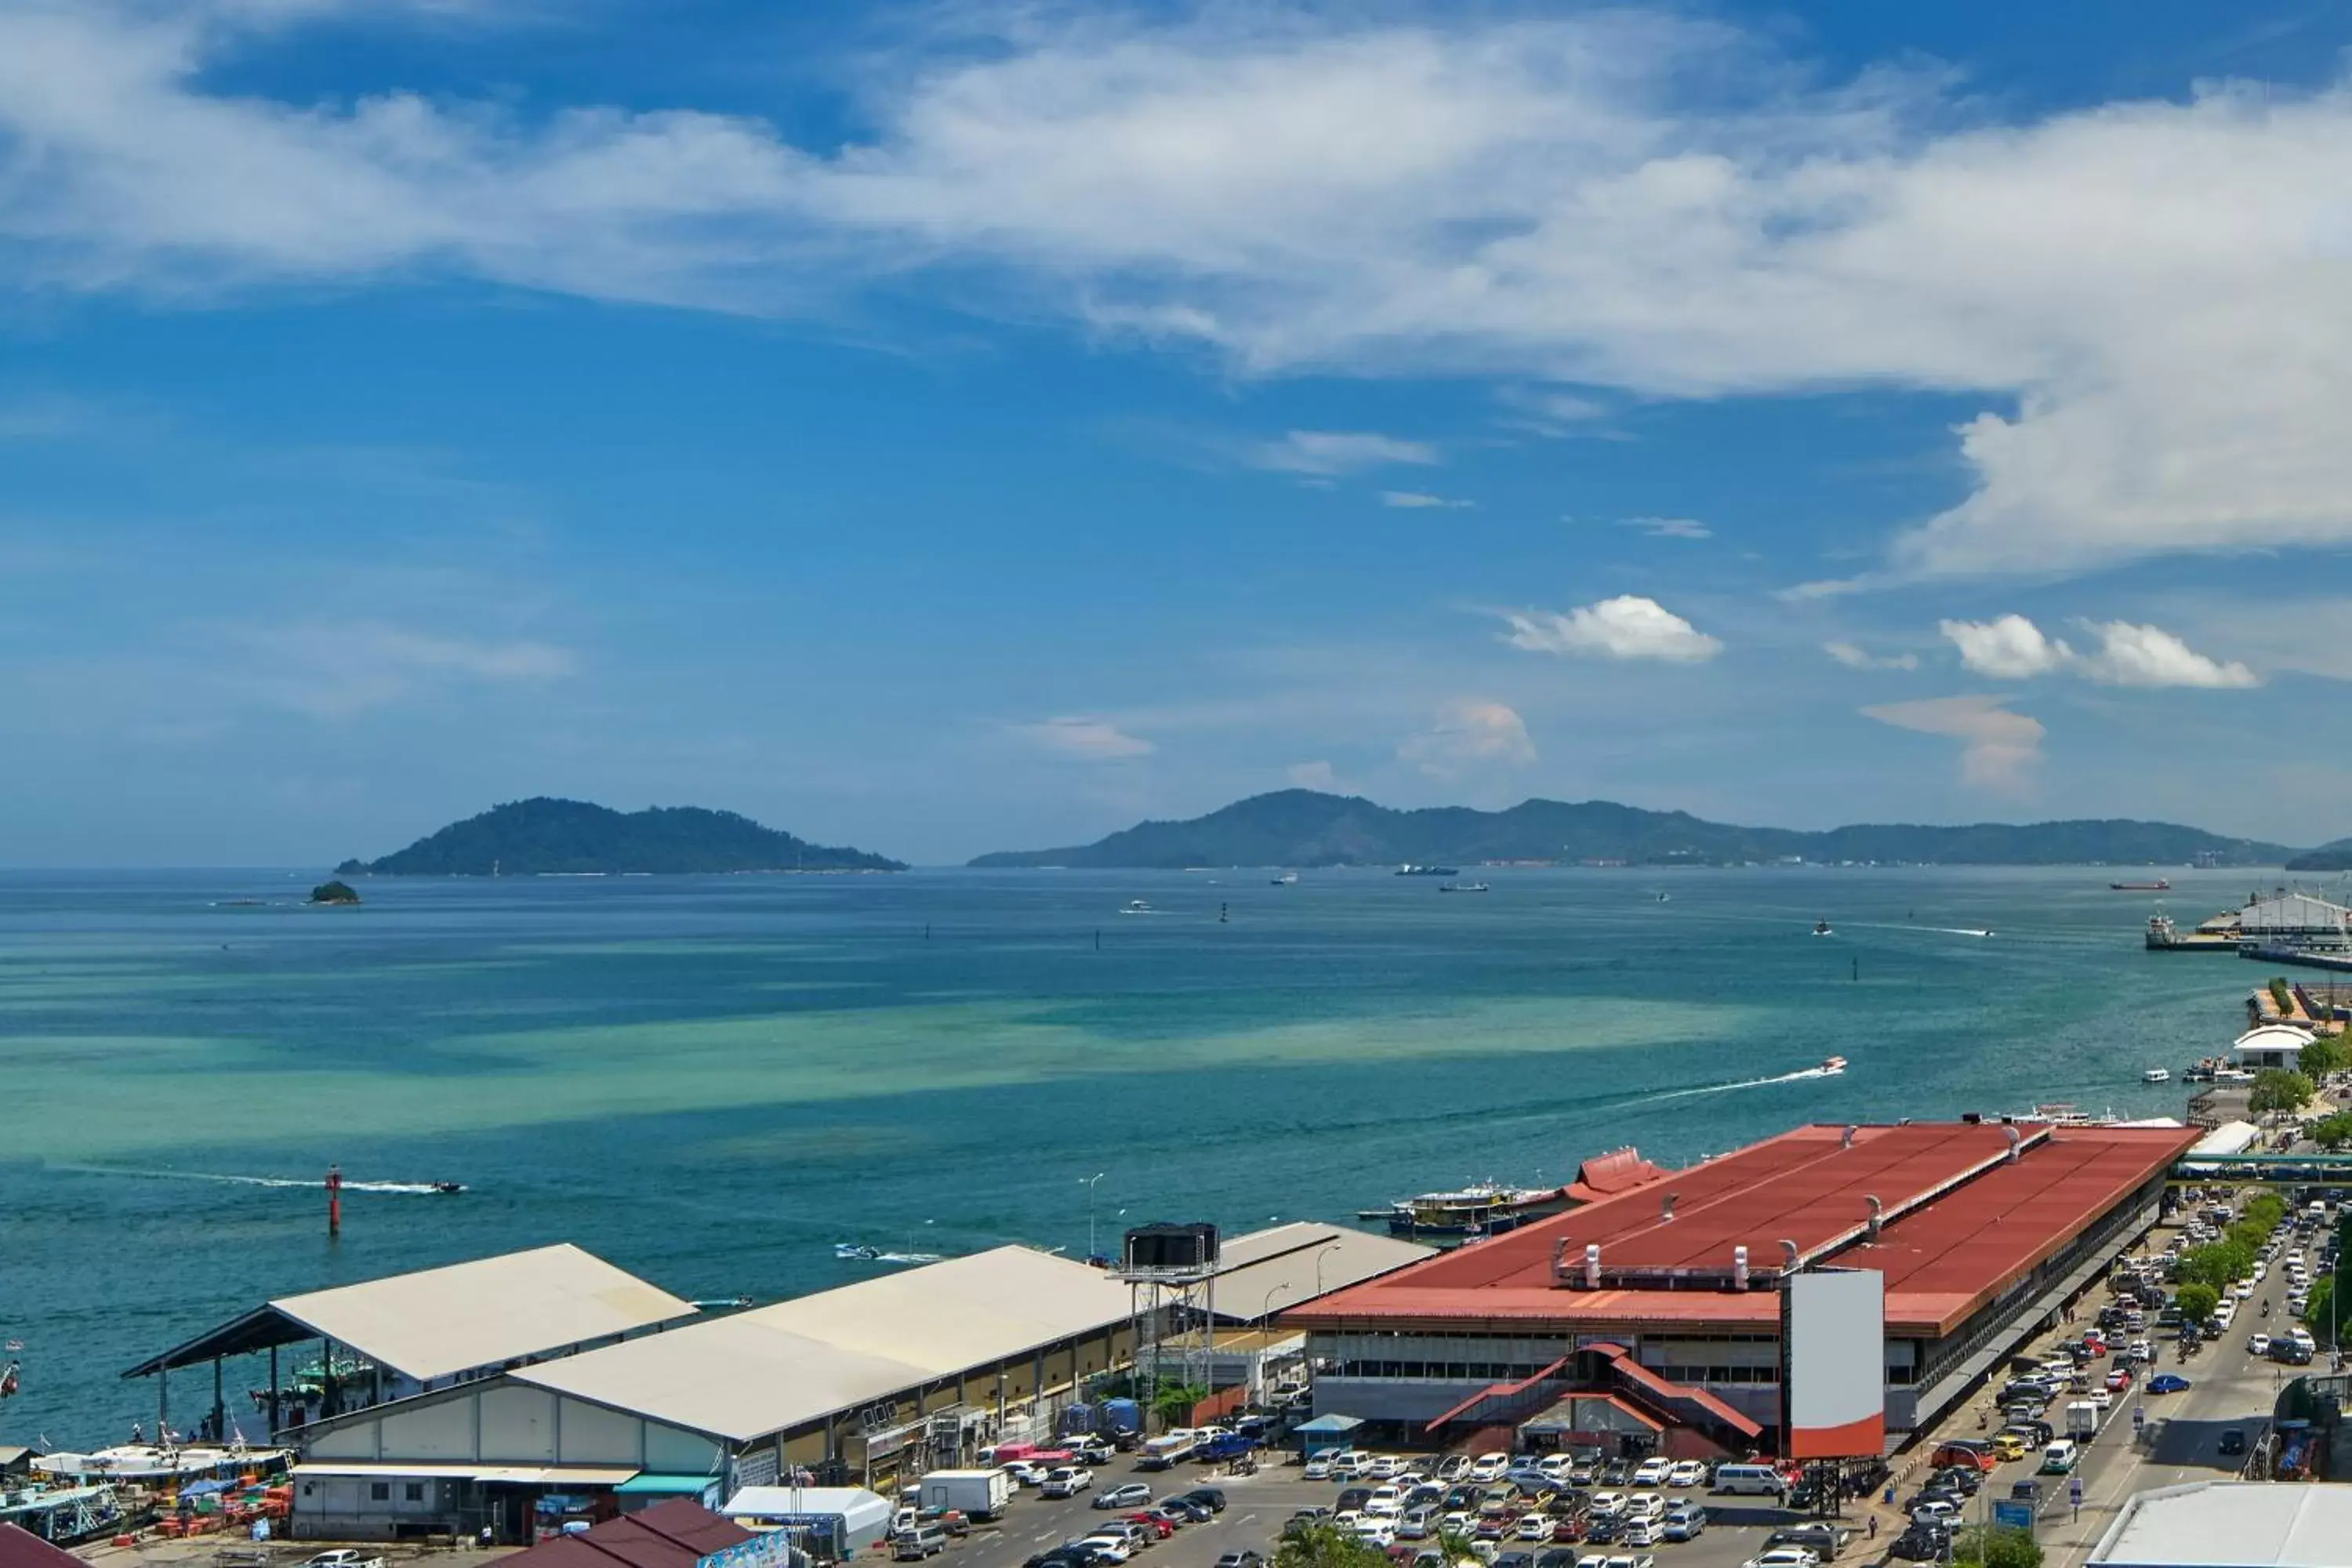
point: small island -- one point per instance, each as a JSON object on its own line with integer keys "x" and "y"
{"x": 334, "y": 893}
{"x": 549, "y": 838}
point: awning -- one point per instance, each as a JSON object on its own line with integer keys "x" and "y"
{"x": 651, "y": 1485}
{"x": 1328, "y": 1425}
{"x": 503, "y": 1475}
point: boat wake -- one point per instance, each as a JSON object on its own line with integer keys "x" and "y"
{"x": 417, "y": 1188}
{"x": 850, "y": 1252}
{"x": 1803, "y": 1075}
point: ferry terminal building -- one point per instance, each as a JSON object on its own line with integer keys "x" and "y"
{"x": 1654, "y": 1313}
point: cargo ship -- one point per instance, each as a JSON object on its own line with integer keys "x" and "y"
{"x": 2161, "y": 885}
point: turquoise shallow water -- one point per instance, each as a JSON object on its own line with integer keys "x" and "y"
{"x": 712, "y": 1080}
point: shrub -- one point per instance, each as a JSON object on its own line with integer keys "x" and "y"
{"x": 2277, "y": 1088}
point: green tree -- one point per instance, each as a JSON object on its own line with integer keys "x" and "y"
{"x": 2277, "y": 1088}
{"x": 2281, "y": 993}
{"x": 2332, "y": 1133}
{"x": 1322, "y": 1546}
{"x": 2316, "y": 1310}
{"x": 1996, "y": 1548}
{"x": 2324, "y": 1055}
{"x": 2197, "y": 1301}
{"x": 2266, "y": 1209}
{"x": 1174, "y": 1401}
{"x": 1457, "y": 1547}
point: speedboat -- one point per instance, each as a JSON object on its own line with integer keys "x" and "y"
{"x": 1286, "y": 880}
{"x": 2156, "y": 1075}
{"x": 853, "y": 1253}
{"x": 1833, "y": 1065}
{"x": 1821, "y": 928}
{"x": 1136, "y": 907}
{"x": 451, "y": 1187}
{"x": 1462, "y": 888}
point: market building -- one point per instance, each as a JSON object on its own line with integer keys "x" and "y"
{"x": 1653, "y": 1314}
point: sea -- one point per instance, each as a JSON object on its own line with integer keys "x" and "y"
{"x": 713, "y": 1081}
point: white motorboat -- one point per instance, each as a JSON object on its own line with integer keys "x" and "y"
{"x": 1821, "y": 928}
{"x": 1833, "y": 1065}
{"x": 1286, "y": 880}
{"x": 2156, "y": 1075}
{"x": 1136, "y": 907}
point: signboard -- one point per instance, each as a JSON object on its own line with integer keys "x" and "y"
{"x": 1833, "y": 1364}
{"x": 2008, "y": 1515}
{"x": 769, "y": 1549}
{"x": 755, "y": 1469}
{"x": 2075, "y": 1491}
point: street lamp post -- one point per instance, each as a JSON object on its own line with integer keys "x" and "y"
{"x": 1265, "y": 1308}
{"x": 1088, "y": 1182}
{"x": 1327, "y": 1247}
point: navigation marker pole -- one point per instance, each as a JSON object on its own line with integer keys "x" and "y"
{"x": 334, "y": 1201}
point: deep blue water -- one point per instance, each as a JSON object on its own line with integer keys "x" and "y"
{"x": 710, "y": 1081}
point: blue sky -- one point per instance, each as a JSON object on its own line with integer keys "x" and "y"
{"x": 948, "y": 428}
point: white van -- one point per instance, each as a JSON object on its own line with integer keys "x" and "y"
{"x": 1756, "y": 1480}
{"x": 2059, "y": 1459}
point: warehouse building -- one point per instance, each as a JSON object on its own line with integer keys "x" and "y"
{"x": 1660, "y": 1303}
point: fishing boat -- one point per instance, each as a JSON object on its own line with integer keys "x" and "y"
{"x": 1463, "y": 887}
{"x": 2156, "y": 1075}
{"x": 1483, "y": 1209}
{"x": 1833, "y": 1065}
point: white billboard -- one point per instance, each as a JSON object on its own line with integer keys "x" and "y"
{"x": 1833, "y": 1386}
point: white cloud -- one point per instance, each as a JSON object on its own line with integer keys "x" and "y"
{"x": 1327, "y": 452}
{"x": 2015, "y": 648}
{"x": 2010, "y": 648}
{"x": 1470, "y": 735}
{"x": 1854, "y": 657}
{"x": 1998, "y": 748}
{"x": 2148, "y": 296}
{"x": 1627, "y": 626}
{"x": 1089, "y": 739}
{"x": 1670, "y": 527}
{"x": 2149, "y": 656}
{"x": 1313, "y": 775}
{"x": 1421, "y": 500}
{"x": 340, "y": 669}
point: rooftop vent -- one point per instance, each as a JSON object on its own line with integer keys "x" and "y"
{"x": 1666, "y": 1207}
{"x": 1739, "y": 1267}
{"x": 1592, "y": 1265}
{"x": 1847, "y": 1142}
{"x": 2015, "y": 1138}
{"x": 1878, "y": 1209}
{"x": 1789, "y": 1251}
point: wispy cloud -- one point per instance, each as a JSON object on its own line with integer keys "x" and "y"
{"x": 1998, "y": 748}
{"x": 1856, "y": 657}
{"x": 1470, "y": 734}
{"x": 1085, "y": 739}
{"x": 1329, "y": 453}
{"x": 1670, "y": 527}
{"x": 1628, "y": 627}
{"x": 1421, "y": 500}
{"x": 339, "y": 669}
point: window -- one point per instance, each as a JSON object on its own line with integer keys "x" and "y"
{"x": 379, "y": 1491}
{"x": 414, "y": 1491}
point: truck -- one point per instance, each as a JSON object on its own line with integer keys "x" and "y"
{"x": 2082, "y": 1420}
{"x": 1168, "y": 1451}
{"x": 1224, "y": 1445}
{"x": 976, "y": 1494}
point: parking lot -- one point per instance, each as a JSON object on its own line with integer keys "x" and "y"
{"x": 1257, "y": 1506}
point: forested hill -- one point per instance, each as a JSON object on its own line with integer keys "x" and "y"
{"x": 539, "y": 837}
{"x": 1303, "y": 827}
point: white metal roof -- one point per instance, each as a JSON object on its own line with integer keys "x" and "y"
{"x": 2231, "y": 1524}
{"x": 855, "y": 1504}
{"x": 2270, "y": 1037}
{"x": 442, "y": 1321}
{"x": 946, "y": 1317}
{"x": 1289, "y": 1265}
{"x": 747, "y": 1375}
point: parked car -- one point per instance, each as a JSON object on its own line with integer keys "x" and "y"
{"x": 1783, "y": 1557}
{"x": 1068, "y": 1480}
{"x": 1687, "y": 1473}
{"x": 1132, "y": 1494}
{"x": 1685, "y": 1522}
{"x": 2233, "y": 1441}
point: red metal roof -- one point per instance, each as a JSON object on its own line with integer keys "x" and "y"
{"x": 1963, "y": 1224}
{"x": 1606, "y": 1176}
{"x": 23, "y": 1549}
{"x": 672, "y": 1534}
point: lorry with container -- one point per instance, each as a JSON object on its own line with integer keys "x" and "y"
{"x": 976, "y": 1494}
{"x": 2082, "y": 1420}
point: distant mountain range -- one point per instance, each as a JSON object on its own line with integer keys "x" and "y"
{"x": 1304, "y": 828}
{"x": 541, "y": 835}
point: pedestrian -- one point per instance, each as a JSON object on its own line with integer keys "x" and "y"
{"x": 1873, "y": 1527}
